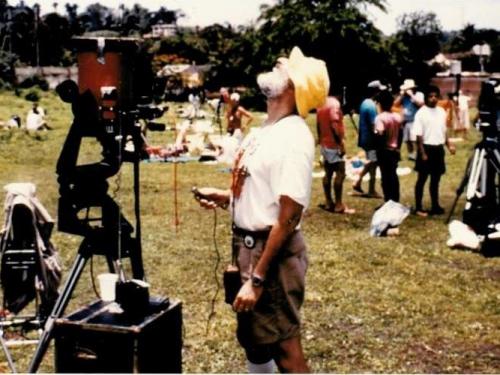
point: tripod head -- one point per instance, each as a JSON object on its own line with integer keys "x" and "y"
{"x": 489, "y": 109}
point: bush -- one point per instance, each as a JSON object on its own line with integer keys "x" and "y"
{"x": 253, "y": 99}
{"x": 32, "y": 96}
{"x": 35, "y": 81}
{"x": 4, "y": 85}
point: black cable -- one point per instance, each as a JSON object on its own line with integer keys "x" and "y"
{"x": 216, "y": 272}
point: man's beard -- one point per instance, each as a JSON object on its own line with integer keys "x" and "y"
{"x": 273, "y": 84}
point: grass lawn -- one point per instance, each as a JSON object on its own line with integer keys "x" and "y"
{"x": 403, "y": 304}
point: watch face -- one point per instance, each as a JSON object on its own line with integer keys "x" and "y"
{"x": 257, "y": 281}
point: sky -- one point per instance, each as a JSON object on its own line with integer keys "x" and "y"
{"x": 452, "y": 14}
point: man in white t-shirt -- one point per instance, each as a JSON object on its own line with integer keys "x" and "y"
{"x": 271, "y": 188}
{"x": 430, "y": 130}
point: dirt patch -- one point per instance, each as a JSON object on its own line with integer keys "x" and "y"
{"x": 446, "y": 356}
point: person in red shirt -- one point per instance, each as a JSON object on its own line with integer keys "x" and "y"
{"x": 330, "y": 127}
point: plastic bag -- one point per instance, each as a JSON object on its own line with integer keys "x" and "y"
{"x": 390, "y": 215}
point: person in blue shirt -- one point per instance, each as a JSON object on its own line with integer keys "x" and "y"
{"x": 410, "y": 100}
{"x": 366, "y": 137}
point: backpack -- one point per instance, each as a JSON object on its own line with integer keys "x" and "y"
{"x": 30, "y": 264}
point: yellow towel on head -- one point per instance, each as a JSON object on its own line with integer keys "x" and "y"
{"x": 310, "y": 79}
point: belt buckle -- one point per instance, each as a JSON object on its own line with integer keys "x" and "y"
{"x": 249, "y": 241}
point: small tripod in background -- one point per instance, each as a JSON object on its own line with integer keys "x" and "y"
{"x": 481, "y": 182}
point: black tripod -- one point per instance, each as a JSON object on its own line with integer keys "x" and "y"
{"x": 84, "y": 188}
{"x": 482, "y": 186}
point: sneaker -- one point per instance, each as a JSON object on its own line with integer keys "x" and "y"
{"x": 436, "y": 211}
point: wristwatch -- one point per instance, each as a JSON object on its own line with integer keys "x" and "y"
{"x": 257, "y": 281}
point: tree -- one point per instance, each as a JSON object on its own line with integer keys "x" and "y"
{"x": 22, "y": 33}
{"x": 96, "y": 17}
{"x": 417, "y": 40}
{"x": 336, "y": 31}
{"x": 54, "y": 35}
{"x": 163, "y": 15}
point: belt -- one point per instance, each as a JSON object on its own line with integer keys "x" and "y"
{"x": 258, "y": 234}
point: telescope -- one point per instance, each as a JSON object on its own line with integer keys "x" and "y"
{"x": 113, "y": 102}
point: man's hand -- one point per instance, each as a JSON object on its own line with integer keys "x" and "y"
{"x": 210, "y": 198}
{"x": 342, "y": 148}
{"x": 424, "y": 156}
{"x": 247, "y": 297}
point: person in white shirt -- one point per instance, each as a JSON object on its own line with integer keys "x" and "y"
{"x": 35, "y": 120}
{"x": 271, "y": 188}
{"x": 430, "y": 130}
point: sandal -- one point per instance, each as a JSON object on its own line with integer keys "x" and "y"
{"x": 345, "y": 210}
{"x": 420, "y": 212}
{"x": 326, "y": 207}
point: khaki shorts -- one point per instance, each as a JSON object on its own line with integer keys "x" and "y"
{"x": 408, "y": 134}
{"x": 276, "y": 315}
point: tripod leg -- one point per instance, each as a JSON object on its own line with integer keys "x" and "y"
{"x": 7, "y": 353}
{"x": 479, "y": 156}
{"x": 58, "y": 310}
{"x": 461, "y": 188}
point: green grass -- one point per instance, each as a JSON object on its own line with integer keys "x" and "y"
{"x": 406, "y": 304}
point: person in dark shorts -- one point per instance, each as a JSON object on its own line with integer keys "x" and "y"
{"x": 430, "y": 130}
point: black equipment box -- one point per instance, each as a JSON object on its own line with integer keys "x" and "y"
{"x": 95, "y": 339}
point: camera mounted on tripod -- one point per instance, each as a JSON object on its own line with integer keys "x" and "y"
{"x": 489, "y": 109}
{"x": 481, "y": 180}
{"x": 113, "y": 102}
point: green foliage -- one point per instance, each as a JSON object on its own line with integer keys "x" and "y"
{"x": 7, "y": 61}
{"x": 35, "y": 81}
{"x": 32, "y": 96}
{"x": 416, "y": 41}
{"x": 468, "y": 37}
{"x": 336, "y": 31}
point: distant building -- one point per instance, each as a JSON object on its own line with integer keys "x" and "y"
{"x": 54, "y": 75}
{"x": 162, "y": 30}
{"x": 451, "y": 75}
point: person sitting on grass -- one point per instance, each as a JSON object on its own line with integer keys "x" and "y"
{"x": 430, "y": 130}
{"x": 35, "y": 120}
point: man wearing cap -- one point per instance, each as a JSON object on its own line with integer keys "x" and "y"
{"x": 410, "y": 100}
{"x": 366, "y": 138}
{"x": 271, "y": 188}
